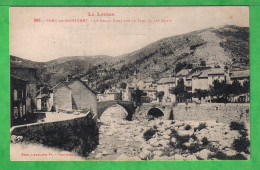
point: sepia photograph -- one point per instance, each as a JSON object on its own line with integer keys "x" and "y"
{"x": 129, "y": 83}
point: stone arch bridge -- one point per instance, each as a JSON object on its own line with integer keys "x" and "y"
{"x": 143, "y": 111}
{"x": 127, "y": 105}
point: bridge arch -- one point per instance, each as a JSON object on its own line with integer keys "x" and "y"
{"x": 128, "y": 106}
{"x": 155, "y": 112}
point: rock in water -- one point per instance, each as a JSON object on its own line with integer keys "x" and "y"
{"x": 99, "y": 155}
{"x": 203, "y": 154}
{"x": 145, "y": 155}
{"x": 191, "y": 157}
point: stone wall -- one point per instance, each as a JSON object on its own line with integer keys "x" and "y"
{"x": 78, "y": 135}
{"x": 219, "y": 112}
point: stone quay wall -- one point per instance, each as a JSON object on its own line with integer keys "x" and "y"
{"x": 78, "y": 135}
{"x": 219, "y": 112}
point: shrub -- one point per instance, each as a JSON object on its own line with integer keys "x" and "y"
{"x": 174, "y": 133}
{"x": 195, "y": 147}
{"x": 243, "y": 133}
{"x": 193, "y": 136}
{"x": 202, "y": 126}
{"x": 205, "y": 141}
{"x": 187, "y": 127}
{"x": 222, "y": 156}
{"x": 241, "y": 144}
{"x": 181, "y": 140}
{"x": 149, "y": 133}
{"x": 238, "y": 157}
{"x": 237, "y": 126}
{"x": 219, "y": 155}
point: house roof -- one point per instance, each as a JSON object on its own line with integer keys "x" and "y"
{"x": 183, "y": 72}
{"x": 240, "y": 74}
{"x": 166, "y": 80}
{"x": 150, "y": 89}
{"x": 112, "y": 91}
{"x": 149, "y": 80}
{"x": 216, "y": 71}
{"x": 18, "y": 78}
{"x": 196, "y": 74}
{"x": 61, "y": 83}
{"x": 204, "y": 73}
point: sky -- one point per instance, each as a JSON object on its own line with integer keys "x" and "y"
{"x": 138, "y": 27}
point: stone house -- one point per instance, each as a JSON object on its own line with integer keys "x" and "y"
{"x": 22, "y": 94}
{"x": 62, "y": 97}
{"x": 74, "y": 94}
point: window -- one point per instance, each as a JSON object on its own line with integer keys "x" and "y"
{"x": 15, "y": 112}
{"x": 15, "y": 95}
{"x": 23, "y": 110}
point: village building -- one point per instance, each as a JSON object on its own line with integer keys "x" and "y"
{"x": 22, "y": 94}
{"x": 165, "y": 84}
{"x": 188, "y": 83}
{"x": 151, "y": 93}
{"x": 183, "y": 74}
{"x": 241, "y": 76}
{"x": 44, "y": 99}
{"x": 129, "y": 91}
{"x": 149, "y": 82}
{"x": 110, "y": 94}
{"x": 216, "y": 74}
{"x": 62, "y": 97}
{"x": 74, "y": 94}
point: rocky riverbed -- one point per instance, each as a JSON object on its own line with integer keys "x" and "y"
{"x": 169, "y": 139}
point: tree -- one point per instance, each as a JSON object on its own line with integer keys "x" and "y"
{"x": 136, "y": 95}
{"x": 217, "y": 89}
{"x": 180, "y": 66}
{"x": 203, "y": 63}
{"x": 189, "y": 66}
{"x": 200, "y": 93}
{"x": 246, "y": 86}
{"x": 160, "y": 95}
{"x": 226, "y": 68}
{"x": 236, "y": 88}
{"x": 180, "y": 90}
{"x": 102, "y": 87}
{"x": 123, "y": 85}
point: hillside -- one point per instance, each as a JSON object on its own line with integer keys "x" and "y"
{"x": 224, "y": 46}
{"x": 53, "y": 71}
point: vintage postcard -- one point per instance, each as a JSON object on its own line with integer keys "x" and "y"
{"x": 129, "y": 83}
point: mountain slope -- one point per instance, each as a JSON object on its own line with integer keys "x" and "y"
{"x": 223, "y": 46}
